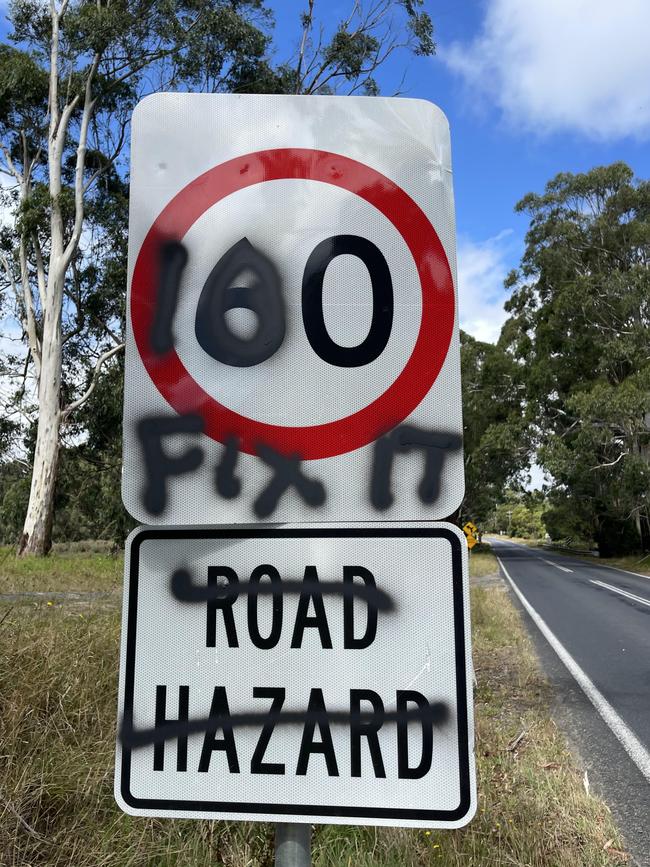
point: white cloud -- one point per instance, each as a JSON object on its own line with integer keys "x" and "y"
{"x": 482, "y": 268}
{"x": 563, "y": 65}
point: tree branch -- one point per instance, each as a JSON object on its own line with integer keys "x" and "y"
{"x": 104, "y": 357}
{"x": 89, "y": 106}
{"x": 303, "y": 43}
{"x": 613, "y": 463}
{"x": 10, "y": 164}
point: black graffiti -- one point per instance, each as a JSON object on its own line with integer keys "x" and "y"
{"x": 228, "y": 485}
{"x": 184, "y": 589}
{"x": 402, "y": 440}
{"x": 287, "y": 474}
{"x": 435, "y": 713}
{"x": 287, "y": 469}
{"x": 172, "y": 261}
{"x": 263, "y": 297}
{"x": 159, "y": 466}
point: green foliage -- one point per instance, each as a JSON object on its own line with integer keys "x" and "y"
{"x": 359, "y": 45}
{"x": 580, "y": 317}
{"x": 521, "y": 513}
{"x": 23, "y": 87}
{"x": 496, "y": 440}
{"x": 564, "y": 523}
{"x": 114, "y": 54}
{"x": 14, "y": 494}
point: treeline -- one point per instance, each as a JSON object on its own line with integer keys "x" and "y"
{"x": 567, "y": 384}
{"x": 71, "y": 73}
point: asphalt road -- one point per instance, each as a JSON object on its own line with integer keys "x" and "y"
{"x": 591, "y": 626}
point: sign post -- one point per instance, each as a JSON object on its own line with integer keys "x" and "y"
{"x": 292, "y": 845}
{"x": 295, "y": 644}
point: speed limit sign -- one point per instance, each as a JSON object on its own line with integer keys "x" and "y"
{"x": 292, "y": 342}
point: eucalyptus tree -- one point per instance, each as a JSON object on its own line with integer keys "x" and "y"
{"x": 580, "y": 321}
{"x": 68, "y": 85}
{"x": 496, "y": 433}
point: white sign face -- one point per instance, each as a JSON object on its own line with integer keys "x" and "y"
{"x": 292, "y": 341}
{"x": 325, "y": 707}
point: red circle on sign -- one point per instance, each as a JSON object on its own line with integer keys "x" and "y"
{"x": 186, "y": 396}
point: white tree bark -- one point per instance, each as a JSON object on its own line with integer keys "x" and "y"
{"x": 36, "y": 537}
{"x": 37, "y": 530}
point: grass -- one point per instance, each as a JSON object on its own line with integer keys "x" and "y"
{"x": 71, "y": 570}
{"x": 633, "y": 563}
{"x": 89, "y": 571}
{"x": 58, "y": 680}
{"x": 482, "y": 563}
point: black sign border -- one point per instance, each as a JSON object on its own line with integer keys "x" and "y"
{"x": 225, "y": 807}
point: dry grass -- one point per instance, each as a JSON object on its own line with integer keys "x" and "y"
{"x": 482, "y": 563}
{"x": 632, "y": 563}
{"x": 73, "y": 570}
{"x": 58, "y": 679}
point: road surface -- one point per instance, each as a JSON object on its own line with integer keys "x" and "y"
{"x": 591, "y": 625}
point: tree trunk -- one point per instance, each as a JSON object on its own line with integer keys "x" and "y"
{"x": 37, "y": 531}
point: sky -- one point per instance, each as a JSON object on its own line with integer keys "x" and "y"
{"x": 531, "y": 88}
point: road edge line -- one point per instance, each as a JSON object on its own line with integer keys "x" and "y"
{"x": 626, "y": 737}
{"x": 620, "y": 592}
{"x": 596, "y": 561}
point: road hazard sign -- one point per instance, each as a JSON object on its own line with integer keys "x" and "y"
{"x": 292, "y": 339}
{"x": 265, "y": 675}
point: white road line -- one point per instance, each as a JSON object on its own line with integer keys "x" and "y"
{"x": 624, "y": 571}
{"x": 629, "y": 741}
{"x": 557, "y": 565}
{"x": 622, "y": 592}
{"x": 587, "y": 563}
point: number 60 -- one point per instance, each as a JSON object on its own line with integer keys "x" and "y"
{"x": 264, "y": 298}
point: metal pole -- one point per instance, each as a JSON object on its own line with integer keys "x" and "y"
{"x": 292, "y": 845}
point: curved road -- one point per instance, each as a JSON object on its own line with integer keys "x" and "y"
{"x": 591, "y": 625}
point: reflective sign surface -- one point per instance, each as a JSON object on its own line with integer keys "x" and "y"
{"x": 305, "y": 673}
{"x": 292, "y": 343}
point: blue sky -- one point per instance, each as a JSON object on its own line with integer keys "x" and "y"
{"x": 531, "y": 88}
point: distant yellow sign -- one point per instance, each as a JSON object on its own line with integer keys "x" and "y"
{"x": 471, "y": 531}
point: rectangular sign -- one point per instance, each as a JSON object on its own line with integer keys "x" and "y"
{"x": 343, "y": 696}
{"x": 292, "y": 347}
